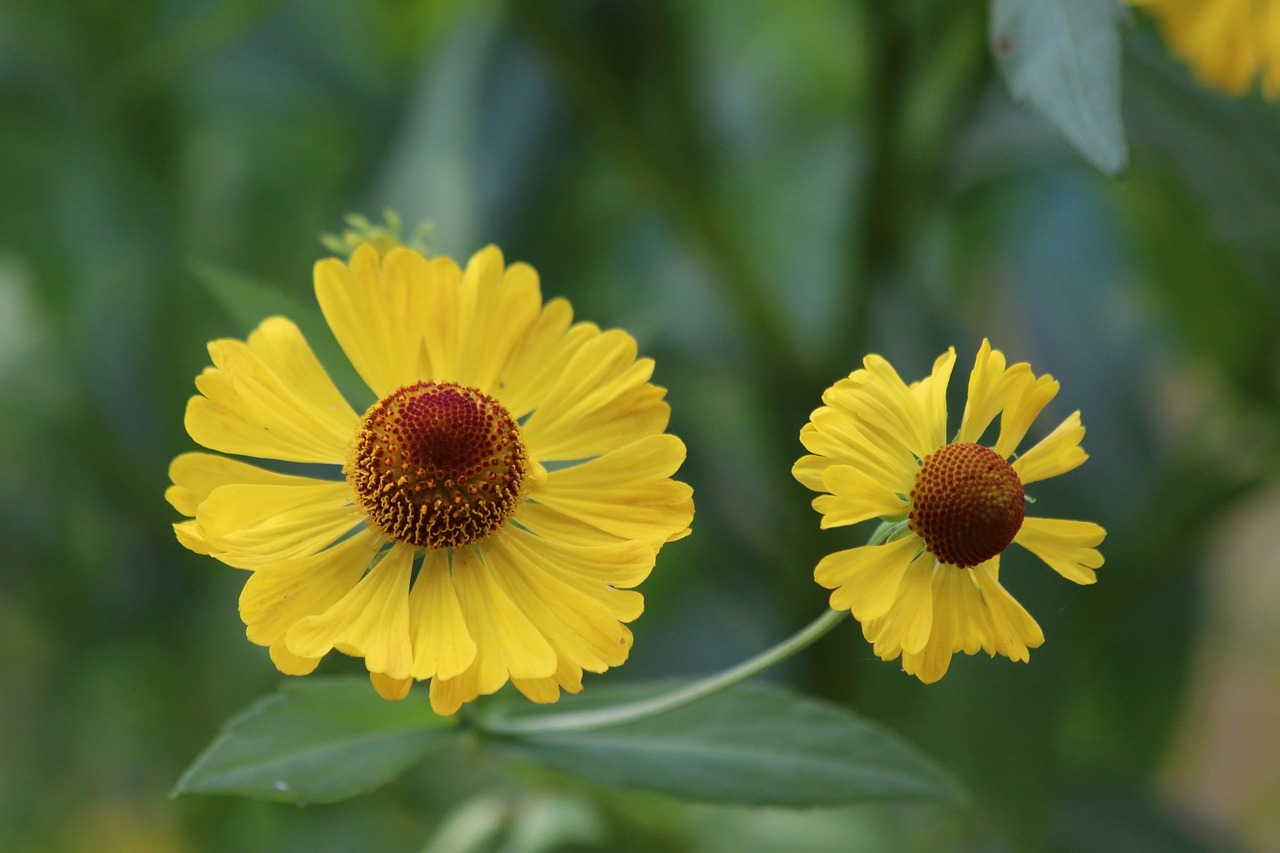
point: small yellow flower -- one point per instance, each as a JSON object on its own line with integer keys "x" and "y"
{"x": 486, "y": 520}
{"x": 1227, "y": 43}
{"x": 879, "y": 450}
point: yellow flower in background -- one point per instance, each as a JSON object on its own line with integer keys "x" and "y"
{"x": 1227, "y": 43}
{"x": 931, "y": 588}
{"x": 486, "y": 520}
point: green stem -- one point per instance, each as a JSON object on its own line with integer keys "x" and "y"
{"x": 535, "y": 724}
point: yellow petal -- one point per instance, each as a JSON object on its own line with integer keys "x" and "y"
{"x": 906, "y": 627}
{"x": 834, "y": 434}
{"x": 1221, "y": 47}
{"x": 280, "y": 344}
{"x": 973, "y": 629}
{"x": 578, "y": 627}
{"x": 602, "y": 400}
{"x": 391, "y": 689}
{"x": 195, "y": 475}
{"x": 885, "y": 409}
{"x": 289, "y": 663}
{"x": 626, "y": 492}
{"x": 809, "y": 469}
{"x": 1022, "y": 410}
{"x": 370, "y": 621}
{"x": 190, "y": 537}
{"x": 508, "y": 302}
{"x": 1015, "y": 630}
{"x": 270, "y": 398}
{"x": 1269, "y": 35}
{"x": 866, "y": 579}
{"x": 541, "y": 357}
{"x": 602, "y": 572}
{"x": 925, "y": 666}
{"x": 543, "y": 691}
{"x": 247, "y": 525}
{"x": 1057, "y": 453}
{"x": 448, "y": 695}
{"x": 991, "y": 386}
{"x": 931, "y": 395}
{"x": 507, "y": 643}
{"x": 273, "y": 599}
{"x": 443, "y": 324}
{"x": 913, "y": 612}
{"x": 568, "y": 677}
{"x": 499, "y": 629}
{"x": 380, "y": 310}
{"x": 442, "y": 647}
{"x": 1067, "y": 546}
{"x": 885, "y": 643}
{"x": 979, "y": 407}
{"x": 1225, "y": 42}
{"x": 855, "y": 497}
{"x": 931, "y": 663}
{"x": 554, "y": 525}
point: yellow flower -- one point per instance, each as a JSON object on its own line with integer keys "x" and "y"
{"x": 931, "y": 589}
{"x": 1228, "y": 43}
{"x": 486, "y": 520}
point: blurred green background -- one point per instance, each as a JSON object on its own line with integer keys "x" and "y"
{"x": 762, "y": 193}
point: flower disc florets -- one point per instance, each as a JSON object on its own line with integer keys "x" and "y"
{"x": 967, "y": 504}
{"x": 437, "y": 465}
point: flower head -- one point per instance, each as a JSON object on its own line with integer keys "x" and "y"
{"x": 1228, "y": 43}
{"x": 485, "y": 520}
{"x": 930, "y": 587}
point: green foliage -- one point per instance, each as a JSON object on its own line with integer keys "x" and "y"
{"x": 750, "y": 745}
{"x": 316, "y": 741}
{"x": 1063, "y": 56}
{"x": 763, "y": 193}
{"x": 322, "y": 740}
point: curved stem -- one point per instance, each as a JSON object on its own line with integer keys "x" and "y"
{"x": 534, "y": 724}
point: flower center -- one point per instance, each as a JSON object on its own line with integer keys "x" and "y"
{"x": 437, "y": 465}
{"x": 967, "y": 504}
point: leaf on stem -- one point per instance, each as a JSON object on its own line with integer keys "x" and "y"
{"x": 316, "y": 741}
{"x": 1063, "y": 56}
{"x": 749, "y": 745}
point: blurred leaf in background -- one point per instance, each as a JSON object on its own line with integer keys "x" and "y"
{"x": 762, "y": 193}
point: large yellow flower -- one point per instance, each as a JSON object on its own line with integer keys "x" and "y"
{"x": 486, "y": 520}
{"x": 931, "y": 587}
{"x": 1228, "y": 43}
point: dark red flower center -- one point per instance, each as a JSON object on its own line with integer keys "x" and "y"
{"x": 437, "y": 465}
{"x": 967, "y": 504}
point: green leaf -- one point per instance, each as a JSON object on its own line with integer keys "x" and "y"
{"x": 749, "y": 745}
{"x": 1063, "y": 56}
{"x": 316, "y": 741}
{"x": 248, "y": 302}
